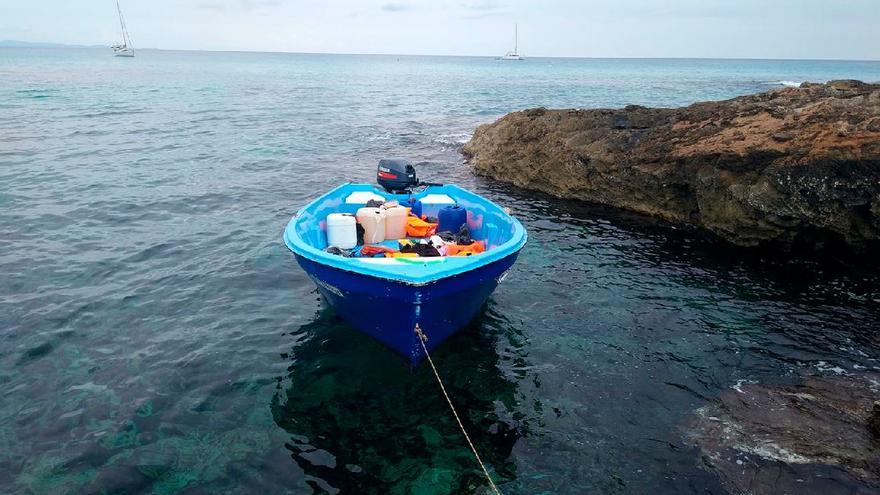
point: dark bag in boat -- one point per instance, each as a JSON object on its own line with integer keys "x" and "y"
{"x": 463, "y": 238}
{"x": 423, "y": 250}
{"x": 359, "y": 229}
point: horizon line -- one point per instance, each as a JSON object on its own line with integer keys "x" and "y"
{"x": 56, "y": 45}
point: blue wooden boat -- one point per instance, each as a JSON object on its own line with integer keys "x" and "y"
{"x": 387, "y": 297}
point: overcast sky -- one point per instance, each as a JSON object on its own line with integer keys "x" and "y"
{"x": 845, "y": 29}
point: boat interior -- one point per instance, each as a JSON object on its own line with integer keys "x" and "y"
{"x": 501, "y": 234}
{"x": 486, "y": 222}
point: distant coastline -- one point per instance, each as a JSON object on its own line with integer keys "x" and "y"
{"x": 39, "y": 44}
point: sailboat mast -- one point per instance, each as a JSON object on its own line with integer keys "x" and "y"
{"x": 125, "y": 39}
{"x": 515, "y": 36}
{"x": 121, "y": 24}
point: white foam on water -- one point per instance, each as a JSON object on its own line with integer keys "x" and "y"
{"x": 828, "y": 368}
{"x": 788, "y": 84}
{"x": 774, "y": 452}
{"x": 740, "y": 383}
{"x": 456, "y": 139}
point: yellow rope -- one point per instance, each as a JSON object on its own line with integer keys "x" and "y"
{"x": 422, "y": 339}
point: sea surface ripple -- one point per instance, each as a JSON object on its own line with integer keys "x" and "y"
{"x": 157, "y": 337}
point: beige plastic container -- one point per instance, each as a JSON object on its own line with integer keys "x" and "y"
{"x": 373, "y": 222}
{"x": 395, "y": 222}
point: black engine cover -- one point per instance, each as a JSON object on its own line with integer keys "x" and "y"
{"x": 396, "y": 175}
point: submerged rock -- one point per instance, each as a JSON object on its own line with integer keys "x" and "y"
{"x": 874, "y": 421}
{"x": 803, "y": 439}
{"x": 791, "y": 166}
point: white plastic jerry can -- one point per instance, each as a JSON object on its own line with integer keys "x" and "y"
{"x": 341, "y": 230}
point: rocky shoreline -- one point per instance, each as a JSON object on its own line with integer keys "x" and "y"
{"x": 769, "y": 439}
{"x": 785, "y": 168}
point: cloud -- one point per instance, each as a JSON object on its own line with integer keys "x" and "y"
{"x": 483, "y": 5}
{"x": 211, "y": 6}
{"x": 243, "y": 5}
{"x": 395, "y": 7}
{"x": 483, "y": 15}
{"x": 479, "y": 9}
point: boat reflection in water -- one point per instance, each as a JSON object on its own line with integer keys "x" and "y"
{"x": 361, "y": 422}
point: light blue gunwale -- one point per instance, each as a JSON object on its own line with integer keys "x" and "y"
{"x": 511, "y": 234}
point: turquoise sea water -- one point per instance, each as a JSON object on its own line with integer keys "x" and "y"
{"x": 157, "y": 337}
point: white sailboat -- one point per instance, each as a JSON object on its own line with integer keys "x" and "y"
{"x": 125, "y": 49}
{"x": 514, "y": 55}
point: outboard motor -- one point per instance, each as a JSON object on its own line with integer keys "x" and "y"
{"x": 396, "y": 175}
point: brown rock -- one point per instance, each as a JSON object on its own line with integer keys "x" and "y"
{"x": 874, "y": 420}
{"x": 752, "y": 430}
{"x": 795, "y": 165}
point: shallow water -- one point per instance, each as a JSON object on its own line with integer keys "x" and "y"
{"x": 157, "y": 336}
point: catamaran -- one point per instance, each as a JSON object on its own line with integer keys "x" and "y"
{"x": 513, "y": 55}
{"x": 125, "y": 49}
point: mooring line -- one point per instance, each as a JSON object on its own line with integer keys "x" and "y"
{"x": 422, "y": 339}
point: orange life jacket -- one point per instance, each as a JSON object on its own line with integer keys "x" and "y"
{"x": 476, "y": 247}
{"x": 416, "y": 227}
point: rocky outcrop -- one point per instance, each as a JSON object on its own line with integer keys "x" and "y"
{"x": 802, "y": 439}
{"x": 791, "y": 166}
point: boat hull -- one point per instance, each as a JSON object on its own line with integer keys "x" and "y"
{"x": 389, "y": 310}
